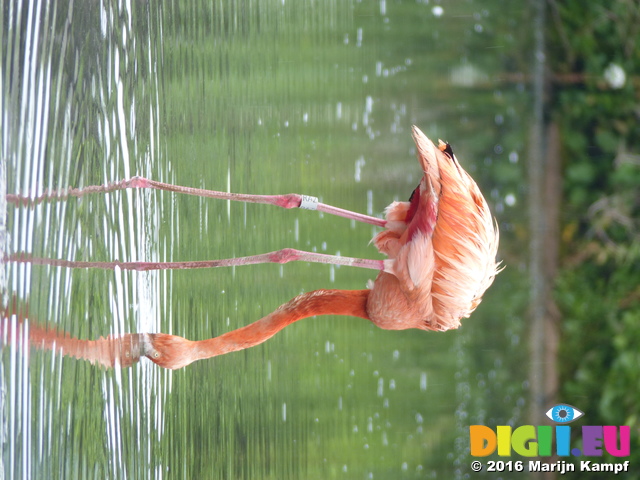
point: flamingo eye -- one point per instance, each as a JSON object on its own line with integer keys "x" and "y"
{"x": 156, "y": 354}
{"x": 563, "y": 413}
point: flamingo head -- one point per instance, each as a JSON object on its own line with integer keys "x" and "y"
{"x": 168, "y": 351}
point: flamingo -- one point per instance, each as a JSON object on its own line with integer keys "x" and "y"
{"x": 441, "y": 249}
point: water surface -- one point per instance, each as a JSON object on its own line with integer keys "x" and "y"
{"x": 256, "y": 97}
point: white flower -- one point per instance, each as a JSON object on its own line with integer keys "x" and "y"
{"x": 615, "y": 75}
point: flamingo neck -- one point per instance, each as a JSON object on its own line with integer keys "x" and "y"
{"x": 319, "y": 302}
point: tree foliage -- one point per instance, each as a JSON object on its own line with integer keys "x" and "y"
{"x": 598, "y": 289}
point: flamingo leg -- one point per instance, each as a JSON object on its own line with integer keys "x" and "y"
{"x": 285, "y": 255}
{"x": 292, "y": 200}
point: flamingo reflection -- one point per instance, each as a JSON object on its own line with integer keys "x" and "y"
{"x": 19, "y": 329}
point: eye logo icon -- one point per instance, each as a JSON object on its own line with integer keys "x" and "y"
{"x": 563, "y": 413}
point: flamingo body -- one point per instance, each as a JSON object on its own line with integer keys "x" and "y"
{"x": 441, "y": 248}
{"x": 441, "y": 245}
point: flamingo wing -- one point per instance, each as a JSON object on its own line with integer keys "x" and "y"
{"x": 441, "y": 246}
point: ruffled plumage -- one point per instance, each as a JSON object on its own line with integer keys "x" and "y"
{"x": 441, "y": 247}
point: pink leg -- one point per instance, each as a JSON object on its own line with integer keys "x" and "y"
{"x": 292, "y": 200}
{"x": 281, "y": 256}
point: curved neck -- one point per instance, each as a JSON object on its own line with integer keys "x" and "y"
{"x": 319, "y": 302}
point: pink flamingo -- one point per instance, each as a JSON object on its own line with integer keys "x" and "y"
{"x": 441, "y": 247}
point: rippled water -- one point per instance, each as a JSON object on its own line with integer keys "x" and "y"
{"x": 252, "y": 97}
